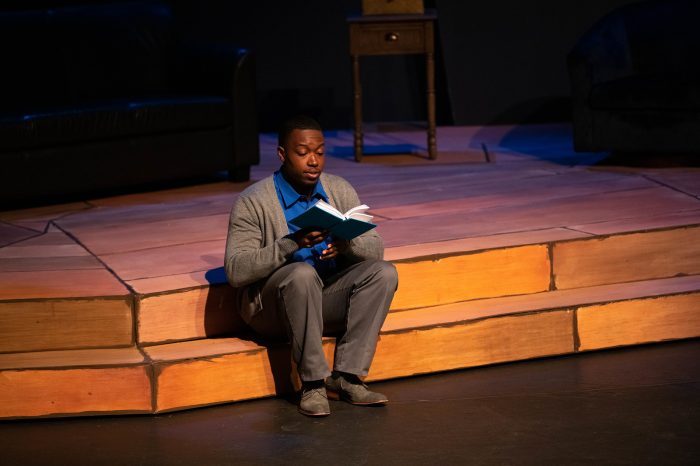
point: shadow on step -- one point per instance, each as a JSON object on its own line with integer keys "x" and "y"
{"x": 220, "y": 316}
{"x": 221, "y": 319}
{"x": 279, "y": 356}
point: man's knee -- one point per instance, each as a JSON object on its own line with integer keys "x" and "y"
{"x": 386, "y": 271}
{"x": 301, "y": 275}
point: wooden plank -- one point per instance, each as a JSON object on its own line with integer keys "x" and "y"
{"x": 179, "y": 281}
{"x": 548, "y": 214}
{"x": 513, "y": 193}
{"x": 639, "y": 321}
{"x": 52, "y": 237}
{"x": 219, "y": 379}
{"x": 59, "y": 284}
{"x": 629, "y": 257}
{"x": 53, "y": 243}
{"x": 204, "y": 348}
{"x": 133, "y": 215}
{"x": 72, "y": 358}
{"x": 225, "y": 370}
{"x": 32, "y": 249}
{"x": 32, "y": 264}
{"x": 684, "y": 179}
{"x": 154, "y": 234}
{"x": 64, "y": 324}
{"x": 491, "y": 273}
{"x": 169, "y": 260}
{"x": 489, "y": 341}
{"x": 53, "y": 250}
{"x": 635, "y": 224}
{"x": 388, "y": 189}
{"x": 29, "y": 393}
{"x": 547, "y": 301}
{"x": 481, "y": 243}
{"x": 11, "y": 234}
{"x": 198, "y": 313}
{"x": 37, "y": 218}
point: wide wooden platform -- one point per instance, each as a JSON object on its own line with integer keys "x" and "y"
{"x": 119, "y": 305}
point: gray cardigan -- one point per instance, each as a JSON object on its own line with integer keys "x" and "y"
{"x": 259, "y": 242}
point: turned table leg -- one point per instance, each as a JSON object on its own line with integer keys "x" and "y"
{"x": 432, "y": 140}
{"x": 357, "y": 106}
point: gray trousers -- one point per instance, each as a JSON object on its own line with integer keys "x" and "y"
{"x": 351, "y": 305}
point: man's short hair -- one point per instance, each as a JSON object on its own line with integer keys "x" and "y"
{"x": 296, "y": 122}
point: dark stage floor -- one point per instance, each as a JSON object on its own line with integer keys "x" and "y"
{"x": 629, "y": 406}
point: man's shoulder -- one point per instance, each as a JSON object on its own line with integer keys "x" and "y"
{"x": 259, "y": 189}
{"x": 334, "y": 182}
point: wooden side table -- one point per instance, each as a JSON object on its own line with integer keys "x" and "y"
{"x": 393, "y": 35}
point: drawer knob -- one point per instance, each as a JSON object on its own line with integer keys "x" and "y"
{"x": 391, "y": 37}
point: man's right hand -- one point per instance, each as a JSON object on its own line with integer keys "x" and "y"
{"x": 307, "y": 238}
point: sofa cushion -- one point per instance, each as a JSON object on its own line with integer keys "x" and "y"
{"x": 114, "y": 119}
{"x": 661, "y": 91}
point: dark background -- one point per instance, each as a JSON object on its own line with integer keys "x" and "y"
{"x": 499, "y": 61}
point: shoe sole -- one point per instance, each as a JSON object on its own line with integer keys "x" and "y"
{"x": 310, "y": 414}
{"x": 337, "y": 397}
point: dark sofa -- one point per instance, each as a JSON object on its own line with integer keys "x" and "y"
{"x": 635, "y": 79}
{"x": 101, "y": 96}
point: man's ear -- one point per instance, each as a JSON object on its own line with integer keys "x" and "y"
{"x": 281, "y": 154}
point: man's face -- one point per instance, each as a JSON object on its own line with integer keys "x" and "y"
{"x": 302, "y": 158}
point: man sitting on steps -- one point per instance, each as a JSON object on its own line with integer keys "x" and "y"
{"x": 302, "y": 284}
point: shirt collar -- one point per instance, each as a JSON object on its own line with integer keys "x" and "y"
{"x": 290, "y": 196}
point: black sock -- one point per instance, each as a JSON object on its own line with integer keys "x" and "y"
{"x": 352, "y": 378}
{"x": 311, "y": 384}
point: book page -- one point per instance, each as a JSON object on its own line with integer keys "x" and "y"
{"x": 361, "y": 217}
{"x": 323, "y": 205}
{"x": 360, "y": 209}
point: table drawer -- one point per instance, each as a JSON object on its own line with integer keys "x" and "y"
{"x": 387, "y": 38}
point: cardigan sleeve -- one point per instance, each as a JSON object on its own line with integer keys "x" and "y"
{"x": 246, "y": 260}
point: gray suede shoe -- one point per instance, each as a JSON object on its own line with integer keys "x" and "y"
{"x": 350, "y": 388}
{"x": 314, "y": 401}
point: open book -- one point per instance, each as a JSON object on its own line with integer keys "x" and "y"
{"x": 322, "y": 215}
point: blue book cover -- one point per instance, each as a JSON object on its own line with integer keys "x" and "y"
{"x": 324, "y": 216}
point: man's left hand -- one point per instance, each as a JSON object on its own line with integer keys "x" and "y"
{"x": 338, "y": 246}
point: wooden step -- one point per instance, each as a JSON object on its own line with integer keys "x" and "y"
{"x": 210, "y": 371}
{"x": 77, "y": 382}
{"x": 203, "y": 372}
{"x": 642, "y": 312}
{"x": 201, "y": 312}
{"x": 63, "y": 309}
{"x": 445, "y": 272}
{"x": 499, "y": 272}
{"x": 499, "y": 261}
{"x": 49, "y": 324}
{"x": 627, "y": 257}
{"x": 56, "y": 295}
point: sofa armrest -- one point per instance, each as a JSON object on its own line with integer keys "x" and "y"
{"x": 226, "y": 69}
{"x": 600, "y": 55}
{"x": 245, "y": 121}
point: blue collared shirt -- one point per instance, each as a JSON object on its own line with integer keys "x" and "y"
{"x": 294, "y": 204}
